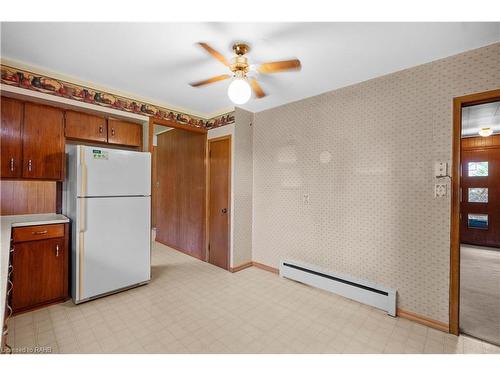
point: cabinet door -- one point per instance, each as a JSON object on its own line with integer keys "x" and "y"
{"x": 11, "y": 145}
{"x": 124, "y": 133}
{"x": 38, "y": 273}
{"x": 85, "y": 127}
{"x": 43, "y": 142}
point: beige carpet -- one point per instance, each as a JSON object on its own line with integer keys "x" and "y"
{"x": 480, "y": 292}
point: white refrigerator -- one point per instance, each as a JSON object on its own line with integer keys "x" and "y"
{"x": 107, "y": 195}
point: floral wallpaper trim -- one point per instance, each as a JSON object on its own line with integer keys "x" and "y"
{"x": 38, "y": 82}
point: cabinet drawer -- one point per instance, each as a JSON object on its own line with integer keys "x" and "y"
{"x": 38, "y": 232}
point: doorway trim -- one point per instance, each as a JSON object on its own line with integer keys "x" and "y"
{"x": 458, "y": 104}
{"x": 229, "y": 200}
{"x": 171, "y": 124}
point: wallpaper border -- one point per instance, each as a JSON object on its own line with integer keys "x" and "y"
{"x": 29, "y": 80}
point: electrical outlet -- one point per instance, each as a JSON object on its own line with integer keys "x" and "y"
{"x": 440, "y": 190}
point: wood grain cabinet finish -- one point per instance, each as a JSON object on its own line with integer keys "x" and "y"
{"x": 38, "y": 232}
{"x": 43, "y": 142}
{"x": 82, "y": 126}
{"x": 124, "y": 133}
{"x": 10, "y": 141}
{"x": 40, "y": 271}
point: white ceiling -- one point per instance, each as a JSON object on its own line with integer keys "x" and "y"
{"x": 480, "y": 116}
{"x": 156, "y": 61}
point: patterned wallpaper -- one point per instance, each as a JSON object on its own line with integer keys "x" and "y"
{"x": 363, "y": 156}
{"x": 38, "y": 82}
{"x": 242, "y": 185}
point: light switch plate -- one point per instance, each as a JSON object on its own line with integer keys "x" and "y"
{"x": 440, "y": 169}
{"x": 440, "y": 190}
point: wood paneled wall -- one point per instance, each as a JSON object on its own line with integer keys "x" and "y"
{"x": 481, "y": 142}
{"x": 28, "y": 197}
{"x": 180, "y": 200}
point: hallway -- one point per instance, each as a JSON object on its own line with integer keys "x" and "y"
{"x": 480, "y": 292}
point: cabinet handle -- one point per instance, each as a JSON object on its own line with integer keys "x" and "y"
{"x": 29, "y": 165}
{"x": 112, "y": 131}
{"x": 39, "y": 232}
{"x": 57, "y": 250}
{"x": 12, "y": 164}
{"x": 101, "y": 129}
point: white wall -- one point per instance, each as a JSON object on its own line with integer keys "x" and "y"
{"x": 241, "y": 184}
{"x": 364, "y": 154}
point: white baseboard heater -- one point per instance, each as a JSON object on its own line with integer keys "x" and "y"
{"x": 358, "y": 290}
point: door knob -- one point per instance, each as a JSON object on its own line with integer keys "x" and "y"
{"x": 224, "y": 210}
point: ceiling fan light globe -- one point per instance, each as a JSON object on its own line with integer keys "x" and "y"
{"x": 239, "y": 91}
{"x": 485, "y": 132}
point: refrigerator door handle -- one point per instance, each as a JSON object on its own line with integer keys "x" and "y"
{"x": 83, "y": 215}
{"x": 83, "y": 169}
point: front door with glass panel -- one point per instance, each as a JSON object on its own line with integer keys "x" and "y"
{"x": 480, "y": 207}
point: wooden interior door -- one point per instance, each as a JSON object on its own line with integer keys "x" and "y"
{"x": 10, "y": 141}
{"x": 181, "y": 187}
{"x": 219, "y": 197}
{"x": 43, "y": 142}
{"x": 38, "y": 272}
{"x": 480, "y": 209}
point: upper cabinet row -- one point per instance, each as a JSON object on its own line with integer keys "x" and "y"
{"x": 32, "y": 141}
{"x": 33, "y": 135}
{"x": 85, "y": 127}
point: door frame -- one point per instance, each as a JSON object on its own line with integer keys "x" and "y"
{"x": 229, "y": 205}
{"x": 173, "y": 124}
{"x": 458, "y": 104}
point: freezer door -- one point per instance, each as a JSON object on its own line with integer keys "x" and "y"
{"x": 115, "y": 244}
{"x": 111, "y": 172}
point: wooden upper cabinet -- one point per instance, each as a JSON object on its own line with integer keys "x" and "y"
{"x": 43, "y": 142}
{"x": 10, "y": 141}
{"x": 83, "y": 126}
{"x": 124, "y": 133}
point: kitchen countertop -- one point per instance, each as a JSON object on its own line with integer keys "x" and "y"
{"x": 6, "y": 224}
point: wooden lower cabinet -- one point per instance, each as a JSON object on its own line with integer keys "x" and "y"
{"x": 40, "y": 269}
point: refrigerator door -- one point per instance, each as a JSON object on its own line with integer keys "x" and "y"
{"x": 115, "y": 244}
{"x": 111, "y": 172}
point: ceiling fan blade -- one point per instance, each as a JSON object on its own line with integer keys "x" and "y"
{"x": 279, "y": 66}
{"x": 210, "y": 80}
{"x": 256, "y": 88}
{"x": 214, "y": 53}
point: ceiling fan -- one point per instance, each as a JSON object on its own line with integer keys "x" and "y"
{"x": 241, "y": 87}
